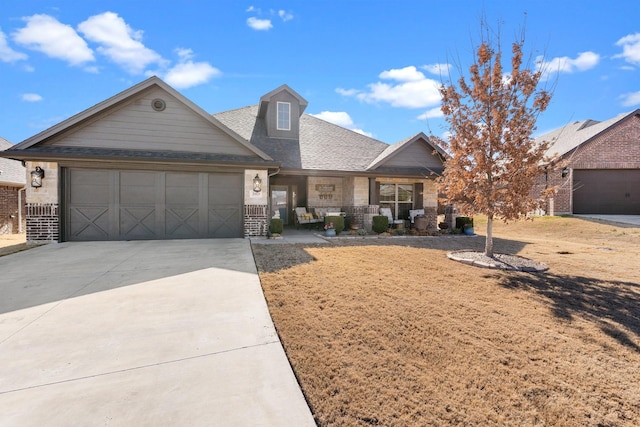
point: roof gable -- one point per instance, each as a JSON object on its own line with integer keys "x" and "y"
{"x": 567, "y": 138}
{"x": 130, "y": 120}
{"x": 266, "y": 99}
{"x": 416, "y": 152}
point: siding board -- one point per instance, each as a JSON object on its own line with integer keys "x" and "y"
{"x": 135, "y": 125}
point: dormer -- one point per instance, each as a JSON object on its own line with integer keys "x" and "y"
{"x": 281, "y": 110}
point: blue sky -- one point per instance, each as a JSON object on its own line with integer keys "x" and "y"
{"x": 371, "y": 66}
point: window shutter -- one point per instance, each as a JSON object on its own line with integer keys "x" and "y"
{"x": 374, "y": 192}
{"x": 418, "y": 198}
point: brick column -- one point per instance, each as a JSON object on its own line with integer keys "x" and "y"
{"x": 256, "y": 220}
{"x": 42, "y": 223}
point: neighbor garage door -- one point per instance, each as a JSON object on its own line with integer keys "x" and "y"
{"x": 146, "y": 205}
{"x": 606, "y": 191}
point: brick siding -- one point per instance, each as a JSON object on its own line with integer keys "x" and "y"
{"x": 42, "y": 222}
{"x": 256, "y": 220}
{"x": 616, "y": 148}
{"x": 9, "y": 215}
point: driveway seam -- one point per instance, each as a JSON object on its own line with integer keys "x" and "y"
{"x": 151, "y": 365}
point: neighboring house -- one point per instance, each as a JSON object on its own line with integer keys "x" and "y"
{"x": 12, "y": 182}
{"x": 599, "y": 167}
{"x": 150, "y": 164}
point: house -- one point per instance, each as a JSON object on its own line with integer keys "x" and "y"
{"x": 599, "y": 166}
{"x": 148, "y": 163}
{"x": 12, "y": 183}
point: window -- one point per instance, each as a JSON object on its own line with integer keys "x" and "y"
{"x": 284, "y": 116}
{"x": 398, "y": 197}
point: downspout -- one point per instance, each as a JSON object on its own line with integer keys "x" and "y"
{"x": 20, "y": 229}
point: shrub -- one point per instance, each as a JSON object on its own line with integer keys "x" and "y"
{"x": 338, "y": 222}
{"x": 276, "y": 226}
{"x": 461, "y": 221}
{"x": 380, "y": 223}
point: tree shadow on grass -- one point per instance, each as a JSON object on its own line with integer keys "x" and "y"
{"x": 612, "y": 305}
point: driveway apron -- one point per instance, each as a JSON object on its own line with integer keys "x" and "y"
{"x": 145, "y": 333}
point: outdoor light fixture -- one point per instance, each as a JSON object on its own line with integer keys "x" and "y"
{"x": 257, "y": 184}
{"x": 36, "y": 177}
{"x": 565, "y": 172}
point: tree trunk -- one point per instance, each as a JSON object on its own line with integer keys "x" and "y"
{"x": 488, "y": 246}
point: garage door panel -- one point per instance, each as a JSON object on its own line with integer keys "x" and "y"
{"x": 137, "y": 223}
{"x": 606, "y": 191}
{"x": 138, "y": 188}
{"x": 182, "y": 222}
{"x": 223, "y": 221}
{"x": 128, "y": 205}
{"x": 89, "y": 223}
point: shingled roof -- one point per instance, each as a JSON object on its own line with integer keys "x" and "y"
{"x": 12, "y": 172}
{"x": 565, "y": 139}
{"x": 322, "y": 146}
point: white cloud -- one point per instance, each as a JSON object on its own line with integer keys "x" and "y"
{"x": 437, "y": 69}
{"x": 119, "y": 42}
{"x": 631, "y": 99}
{"x": 6, "y": 53}
{"x": 259, "y": 24}
{"x": 188, "y": 73}
{"x": 339, "y": 118}
{"x": 630, "y": 48}
{"x": 31, "y": 97}
{"x": 347, "y": 92}
{"x": 406, "y": 74}
{"x": 285, "y": 16}
{"x": 413, "y": 89}
{"x": 584, "y": 61}
{"x": 342, "y": 119}
{"x": 252, "y": 9}
{"x": 431, "y": 114}
{"x": 46, "y": 34}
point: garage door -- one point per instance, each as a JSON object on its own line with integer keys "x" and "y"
{"x": 606, "y": 191}
{"x": 149, "y": 205}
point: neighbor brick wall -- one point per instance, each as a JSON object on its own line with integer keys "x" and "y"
{"x": 9, "y": 215}
{"x": 616, "y": 148}
{"x": 256, "y": 220}
{"x": 42, "y": 222}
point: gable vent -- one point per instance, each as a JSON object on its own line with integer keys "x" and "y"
{"x": 158, "y": 104}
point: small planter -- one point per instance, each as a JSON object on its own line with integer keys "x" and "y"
{"x": 468, "y": 231}
{"x": 331, "y": 232}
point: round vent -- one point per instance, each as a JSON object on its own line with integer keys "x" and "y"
{"x": 158, "y": 104}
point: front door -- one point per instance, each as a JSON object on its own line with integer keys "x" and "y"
{"x": 283, "y": 200}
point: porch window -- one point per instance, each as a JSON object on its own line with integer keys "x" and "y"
{"x": 284, "y": 116}
{"x": 398, "y": 197}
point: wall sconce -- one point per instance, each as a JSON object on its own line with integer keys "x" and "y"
{"x": 565, "y": 172}
{"x": 36, "y": 177}
{"x": 257, "y": 184}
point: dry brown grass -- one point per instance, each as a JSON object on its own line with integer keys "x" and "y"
{"x": 390, "y": 332}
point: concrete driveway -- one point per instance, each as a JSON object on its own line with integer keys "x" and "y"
{"x": 144, "y": 333}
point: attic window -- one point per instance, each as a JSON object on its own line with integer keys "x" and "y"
{"x": 284, "y": 116}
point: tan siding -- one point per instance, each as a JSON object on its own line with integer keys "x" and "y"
{"x": 136, "y": 125}
{"x": 415, "y": 155}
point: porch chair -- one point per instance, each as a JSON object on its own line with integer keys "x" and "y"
{"x": 303, "y": 217}
{"x": 392, "y": 222}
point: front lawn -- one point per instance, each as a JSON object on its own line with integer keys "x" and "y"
{"x": 390, "y": 332}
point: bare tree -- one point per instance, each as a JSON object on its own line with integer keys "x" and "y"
{"x": 494, "y": 161}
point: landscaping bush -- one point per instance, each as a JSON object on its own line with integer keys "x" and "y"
{"x": 276, "y": 226}
{"x": 338, "y": 222}
{"x": 461, "y": 221}
{"x": 380, "y": 224}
